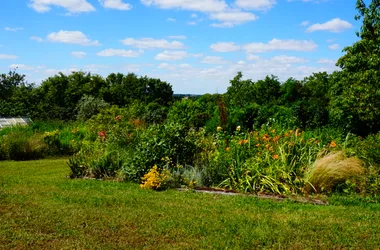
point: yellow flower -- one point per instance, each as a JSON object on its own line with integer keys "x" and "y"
{"x": 219, "y": 129}
{"x": 238, "y": 128}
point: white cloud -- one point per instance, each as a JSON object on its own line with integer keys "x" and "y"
{"x": 178, "y": 37}
{"x": 94, "y": 67}
{"x": 334, "y": 46}
{"x": 150, "y": 43}
{"x": 8, "y": 57}
{"x": 51, "y": 72}
{"x": 115, "y": 4}
{"x": 166, "y": 66}
{"x": 72, "y": 37}
{"x": 171, "y": 19}
{"x": 255, "y": 4}
{"x": 192, "y": 23}
{"x": 193, "y": 5}
{"x": 335, "y": 25}
{"x": 72, "y": 6}
{"x": 13, "y": 29}
{"x": 276, "y": 44}
{"x": 252, "y": 57}
{"x": 132, "y": 68}
{"x": 36, "y": 38}
{"x": 305, "y": 23}
{"x": 194, "y": 15}
{"x": 213, "y": 60}
{"x": 78, "y": 54}
{"x": 224, "y": 47}
{"x": 231, "y": 18}
{"x": 24, "y": 67}
{"x": 289, "y": 59}
{"x": 171, "y": 55}
{"x": 120, "y": 52}
{"x": 326, "y": 61}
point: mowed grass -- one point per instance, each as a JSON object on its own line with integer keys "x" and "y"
{"x": 41, "y": 208}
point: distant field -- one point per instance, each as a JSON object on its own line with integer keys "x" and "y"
{"x": 41, "y": 208}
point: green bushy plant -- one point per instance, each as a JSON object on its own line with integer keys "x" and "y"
{"x": 89, "y": 106}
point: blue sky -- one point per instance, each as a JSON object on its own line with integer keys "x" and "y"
{"x": 195, "y": 45}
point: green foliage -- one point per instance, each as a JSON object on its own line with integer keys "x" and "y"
{"x": 192, "y": 114}
{"x": 89, "y": 106}
{"x": 19, "y": 144}
{"x": 158, "y": 142}
{"x": 357, "y": 107}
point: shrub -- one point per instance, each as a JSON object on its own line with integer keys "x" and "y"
{"x": 332, "y": 170}
{"x": 20, "y": 145}
{"x": 89, "y": 106}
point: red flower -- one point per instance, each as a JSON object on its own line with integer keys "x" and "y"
{"x": 102, "y": 134}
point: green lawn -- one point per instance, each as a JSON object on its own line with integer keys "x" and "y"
{"x": 41, "y": 208}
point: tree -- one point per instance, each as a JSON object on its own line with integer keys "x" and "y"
{"x": 358, "y": 105}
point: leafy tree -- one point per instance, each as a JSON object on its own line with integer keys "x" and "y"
{"x": 358, "y": 105}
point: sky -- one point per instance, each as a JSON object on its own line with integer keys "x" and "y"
{"x": 197, "y": 46}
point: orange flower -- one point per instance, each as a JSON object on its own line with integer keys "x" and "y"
{"x": 275, "y": 157}
{"x": 267, "y": 145}
{"x": 333, "y": 144}
{"x": 243, "y": 142}
{"x": 273, "y": 131}
{"x": 258, "y": 145}
{"x": 258, "y": 153}
{"x": 286, "y": 135}
{"x": 228, "y": 149}
{"x": 271, "y": 149}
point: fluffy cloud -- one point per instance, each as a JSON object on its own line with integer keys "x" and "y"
{"x": 115, "y": 4}
{"x": 13, "y": 29}
{"x": 8, "y": 57}
{"x": 24, "y": 67}
{"x": 171, "y": 55}
{"x": 120, "y": 52}
{"x": 213, "y": 60}
{"x": 78, "y": 54}
{"x": 335, "y": 25}
{"x": 72, "y": 6}
{"x": 289, "y": 59}
{"x": 193, "y": 5}
{"x": 305, "y": 23}
{"x": 36, "y": 38}
{"x": 72, "y": 37}
{"x": 276, "y": 44}
{"x": 170, "y": 19}
{"x": 150, "y": 43}
{"x": 255, "y": 4}
{"x": 334, "y": 46}
{"x": 224, "y": 47}
{"x": 231, "y": 18}
{"x": 178, "y": 37}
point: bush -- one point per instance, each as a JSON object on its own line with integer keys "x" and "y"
{"x": 19, "y": 145}
{"x": 89, "y": 106}
{"x": 157, "y": 142}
